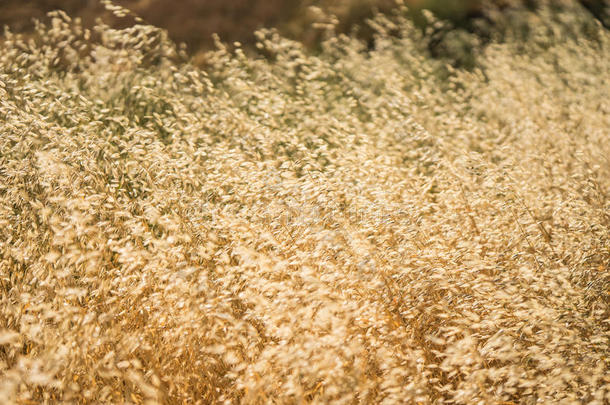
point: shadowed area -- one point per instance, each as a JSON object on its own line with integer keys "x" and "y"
{"x": 194, "y": 21}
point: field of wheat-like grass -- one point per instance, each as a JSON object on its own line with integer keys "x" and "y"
{"x": 352, "y": 226}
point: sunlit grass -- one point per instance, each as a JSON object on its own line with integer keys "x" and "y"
{"x": 355, "y": 226}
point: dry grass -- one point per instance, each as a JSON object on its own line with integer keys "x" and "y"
{"x": 350, "y": 227}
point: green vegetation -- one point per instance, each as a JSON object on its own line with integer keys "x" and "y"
{"x": 363, "y": 224}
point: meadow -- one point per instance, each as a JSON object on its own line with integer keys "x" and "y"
{"x": 364, "y": 223}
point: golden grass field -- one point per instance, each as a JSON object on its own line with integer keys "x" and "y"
{"x": 349, "y": 226}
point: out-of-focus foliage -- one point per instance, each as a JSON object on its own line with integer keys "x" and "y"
{"x": 194, "y": 21}
{"x": 364, "y": 224}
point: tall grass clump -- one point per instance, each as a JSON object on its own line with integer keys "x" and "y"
{"x": 352, "y": 226}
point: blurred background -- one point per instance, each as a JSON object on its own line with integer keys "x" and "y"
{"x": 194, "y": 21}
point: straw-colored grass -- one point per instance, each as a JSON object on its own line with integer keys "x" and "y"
{"x": 355, "y": 226}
